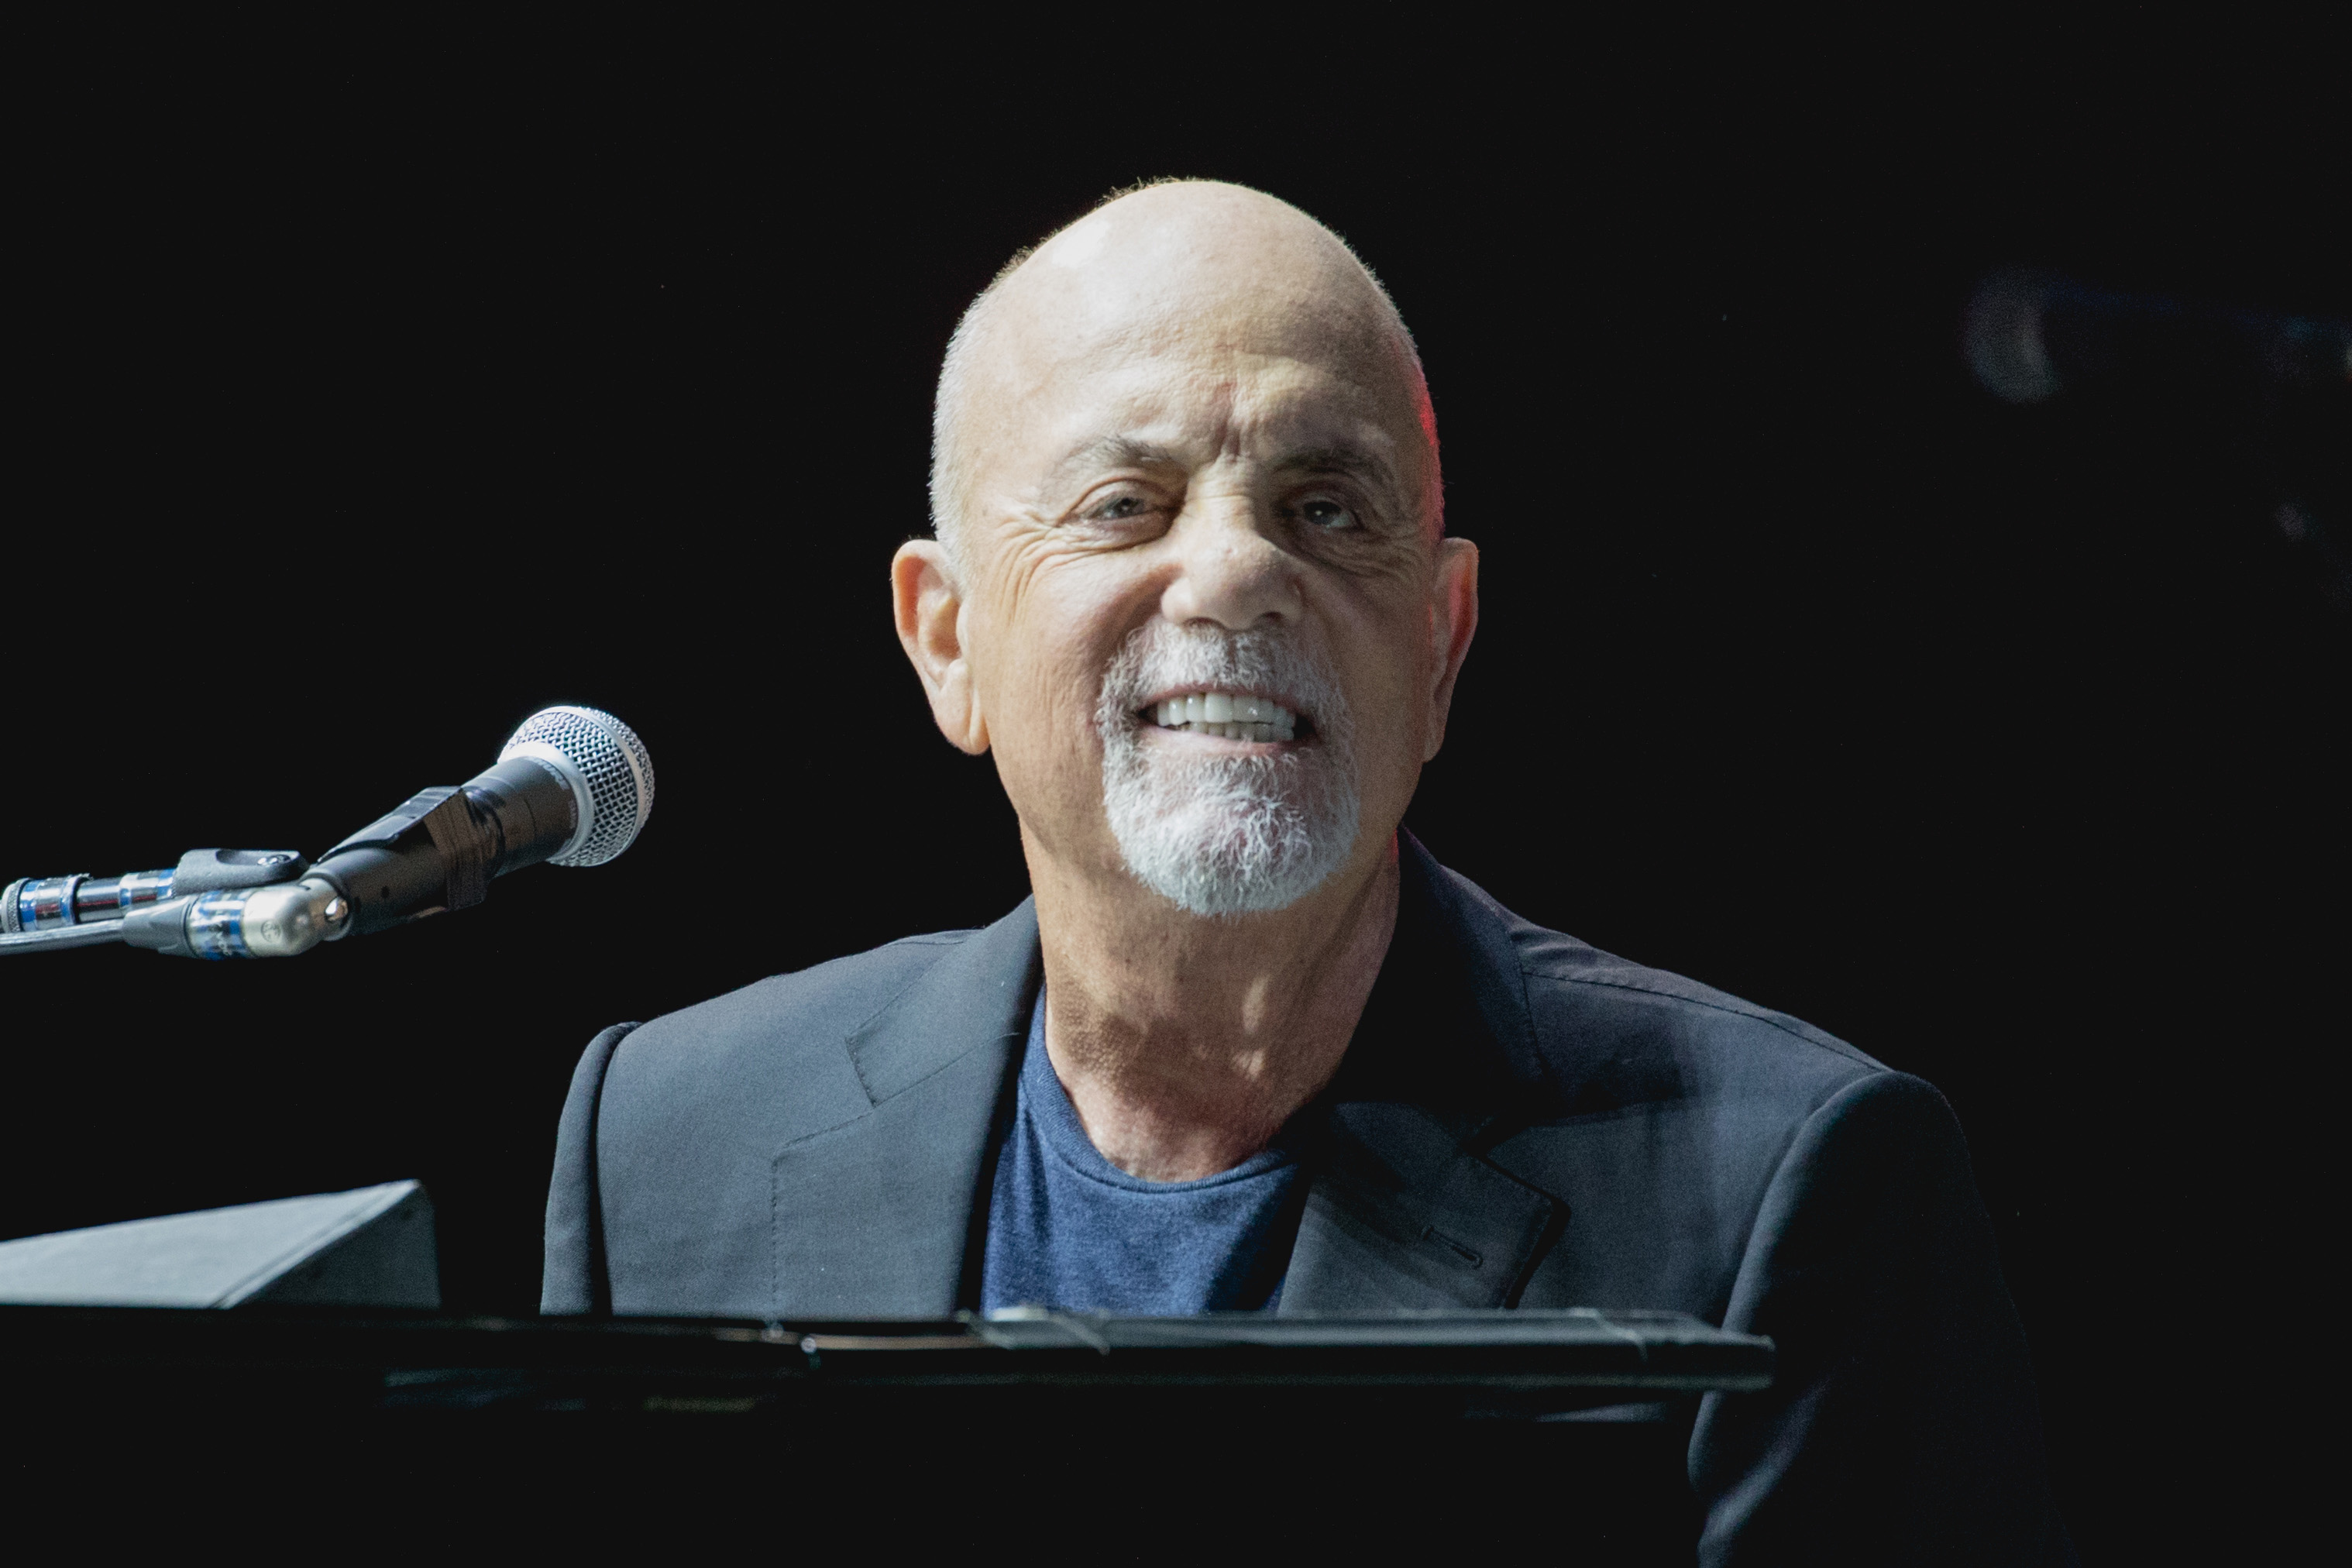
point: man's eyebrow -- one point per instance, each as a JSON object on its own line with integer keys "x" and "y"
{"x": 1354, "y": 462}
{"x": 1112, "y": 452}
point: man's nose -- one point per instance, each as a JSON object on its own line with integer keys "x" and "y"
{"x": 1230, "y": 568}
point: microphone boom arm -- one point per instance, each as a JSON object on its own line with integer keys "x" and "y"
{"x": 573, "y": 786}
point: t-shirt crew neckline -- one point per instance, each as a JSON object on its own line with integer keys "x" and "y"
{"x": 1068, "y": 1229}
{"x": 1065, "y": 1136}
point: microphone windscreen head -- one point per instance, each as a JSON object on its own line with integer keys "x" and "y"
{"x": 608, "y": 769}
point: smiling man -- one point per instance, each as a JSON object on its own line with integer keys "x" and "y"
{"x": 1248, "y": 1047}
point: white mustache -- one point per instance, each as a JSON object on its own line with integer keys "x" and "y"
{"x": 1157, "y": 656}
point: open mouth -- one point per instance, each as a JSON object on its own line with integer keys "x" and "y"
{"x": 1228, "y": 715}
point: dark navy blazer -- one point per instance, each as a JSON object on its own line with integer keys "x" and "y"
{"x": 1522, "y": 1121}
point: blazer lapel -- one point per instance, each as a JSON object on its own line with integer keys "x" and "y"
{"x": 878, "y": 1216}
{"x": 1404, "y": 1212}
{"x": 1401, "y": 1216}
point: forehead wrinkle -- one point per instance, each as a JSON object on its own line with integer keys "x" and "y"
{"x": 1113, "y": 451}
{"x": 1331, "y": 433}
{"x": 1131, "y": 451}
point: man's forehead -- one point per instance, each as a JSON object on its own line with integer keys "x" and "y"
{"x": 1200, "y": 380}
{"x": 1184, "y": 398}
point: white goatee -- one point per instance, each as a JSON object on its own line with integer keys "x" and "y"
{"x": 1227, "y": 834}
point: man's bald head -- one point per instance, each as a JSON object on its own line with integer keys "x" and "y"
{"x": 1172, "y": 263}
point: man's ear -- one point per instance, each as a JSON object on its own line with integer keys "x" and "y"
{"x": 1454, "y": 621}
{"x": 929, "y": 606}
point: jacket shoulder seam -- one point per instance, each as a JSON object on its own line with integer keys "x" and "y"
{"x": 1754, "y": 1014}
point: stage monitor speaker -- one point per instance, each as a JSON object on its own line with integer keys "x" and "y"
{"x": 371, "y": 1247}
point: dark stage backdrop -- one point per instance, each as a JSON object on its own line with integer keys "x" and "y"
{"x": 357, "y": 421}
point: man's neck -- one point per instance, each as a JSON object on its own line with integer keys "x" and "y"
{"x": 1185, "y": 1042}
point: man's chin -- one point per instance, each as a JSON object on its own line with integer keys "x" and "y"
{"x": 1220, "y": 865}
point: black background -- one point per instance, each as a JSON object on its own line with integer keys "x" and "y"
{"x": 367, "y": 408}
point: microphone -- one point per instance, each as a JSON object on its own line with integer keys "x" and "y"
{"x": 2028, "y": 335}
{"x": 573, "y": 788}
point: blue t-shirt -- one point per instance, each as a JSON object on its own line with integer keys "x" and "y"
{"x": 1067, "y": 1229}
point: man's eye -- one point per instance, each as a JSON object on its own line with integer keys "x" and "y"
{"x": 1118, "y": 509}
{"x": 1328, "y": 515}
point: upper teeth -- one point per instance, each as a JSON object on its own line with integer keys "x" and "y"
{"x": 1223, "y": 713}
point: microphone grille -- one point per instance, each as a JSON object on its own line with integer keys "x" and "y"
{"x": 613, "y": 765}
